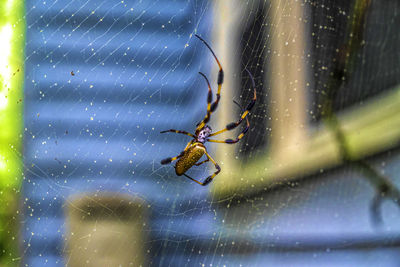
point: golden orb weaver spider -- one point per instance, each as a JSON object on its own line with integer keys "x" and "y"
{"x": 195, "y": 149}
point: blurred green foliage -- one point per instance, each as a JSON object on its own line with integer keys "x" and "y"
{"x": 12, "y": 35}
{"x": 343, "y": 69}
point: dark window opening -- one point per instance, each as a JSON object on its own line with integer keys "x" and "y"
{"x": 376, "y": 66}
{"x": 253, "y": 49}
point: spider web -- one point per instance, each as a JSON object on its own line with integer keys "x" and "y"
{"x": 103, "y": 78}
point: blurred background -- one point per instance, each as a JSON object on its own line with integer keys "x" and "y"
{"x": 87, "y": 86}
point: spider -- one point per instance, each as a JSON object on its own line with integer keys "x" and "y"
{"x": 195, "y": 149}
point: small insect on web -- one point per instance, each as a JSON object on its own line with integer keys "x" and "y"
{"x": 195, "y": 149}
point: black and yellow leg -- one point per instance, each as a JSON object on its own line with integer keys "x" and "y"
{"x": 220, "y": 80}
{"x": 233, "y": 141}
{"x": 209, "y": 178}
{"x": 209, "y": 100}
{"x": 169, "y": 160}
{"x": 233, "y": 125}
{"x": 201, "y": 162}
{"x": 177, "y": 131}
{"x": 194, "y": 180}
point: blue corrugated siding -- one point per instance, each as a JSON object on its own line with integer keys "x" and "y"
{"x": 98, "y": 130}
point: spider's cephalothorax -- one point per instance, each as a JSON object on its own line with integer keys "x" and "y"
{"x": 195, "y": 149}
{"x": 203, "y": 134}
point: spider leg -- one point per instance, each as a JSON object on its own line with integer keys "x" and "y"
{"x": 209, "y": 100}
{"x": 209, "y": 178}
{"x": 169, "y": 160}
{"x": 233, "y": 125}
{"x": 231, "y": 141}
{"x": 220, "y": 80}
{"x": 201, "y": 162}
{"x": 194, "y": 180}
{"x": 177, "y": 131}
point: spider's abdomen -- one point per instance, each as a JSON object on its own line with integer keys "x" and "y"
{"x": 189, "y": 158}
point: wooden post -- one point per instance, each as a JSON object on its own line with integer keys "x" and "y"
{"x": 228, "y": 18}
{"x": 105, "y": 230}
{"x": 287, "y": 73}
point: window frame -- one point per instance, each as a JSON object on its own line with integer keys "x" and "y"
{"x": 370, "y": 128}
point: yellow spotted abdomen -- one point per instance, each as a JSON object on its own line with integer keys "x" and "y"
{"x": 189, "y": 158}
